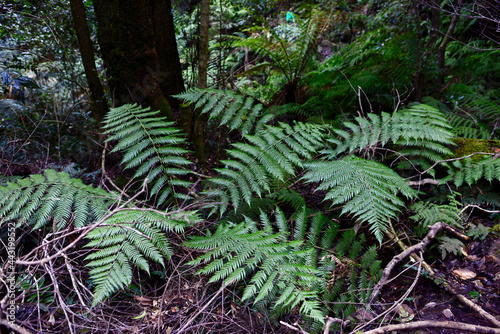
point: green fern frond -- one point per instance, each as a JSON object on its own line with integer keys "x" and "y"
{"x": 233, "y": 110}
{"x": 428, "y": 213}
{"x": 367, "y": 189}
{"x": 53, "y": 197}
{"x": 468, "y": 171}
{"x": 422, "y": 127}
{"x": 151, "y": 145}
{"x": 234, "y": 253}
{"x": 285, "y": 269}
{"x": 129, "y": 236}
{"x": 273, "y": 154}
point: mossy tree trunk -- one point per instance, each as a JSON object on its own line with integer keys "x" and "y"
{"x": 139, "y": 51}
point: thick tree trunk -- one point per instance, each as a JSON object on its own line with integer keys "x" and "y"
{"x": 97, "y": 100}
{"x": 139, "y": 51}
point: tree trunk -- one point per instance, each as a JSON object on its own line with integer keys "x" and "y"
{"x": 97, "y": 100}
{"x": 444, "y": 44}
{"x": 139, "y": 51}
{"x": 203, "y": 57}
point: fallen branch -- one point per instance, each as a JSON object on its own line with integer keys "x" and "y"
{"x": 434, "y": 324}
{"x": 14, "y": 326}
{"x": 433, "y": 230}
{"x": 330, "y": 321}
{"x": 476, "y": 308}
{"x": 298, "y": 329}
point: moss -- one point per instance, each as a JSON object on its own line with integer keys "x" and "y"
{"x": 466, "y": 146}
{"x": 495, "y": 228}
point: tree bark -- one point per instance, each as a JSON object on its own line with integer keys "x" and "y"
{"x": 139, "y": 51}
{"x": 203, "y": 57}
{"x": 97, "y": 100}
{"x": 444, "y": 44}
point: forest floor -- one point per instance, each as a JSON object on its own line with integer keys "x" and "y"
{"x": 429, "y": 301}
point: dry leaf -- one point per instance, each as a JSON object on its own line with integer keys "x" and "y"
{"x": 405, "y": 312}
{"x": 447, "y": 313}
{"x": 464, "y": 274}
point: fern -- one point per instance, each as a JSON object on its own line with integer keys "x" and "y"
{"x": 469, "y": 172}
{"x": 290, "y": 264}
{"x": 428, "y": 213}
{"x": 273, "y": 154}
{"x": 367, "y": 189}
{"x": 151, "y": 145}
{"x": 288, "y": 49}
{"x": 421, "y": 129}
{"x": 474, "y": 112}
{"x": 128, "y": 237}
{"x": 279, "y": 267}
{"x": 53, "y": 197}
{"x": 450, "y": 245}
{"x": 234, "y": 110}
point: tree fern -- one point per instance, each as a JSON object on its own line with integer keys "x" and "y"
{"x": 234, "y": 110}
{"x": 151, "y": 145}
{"x": 288, "y": 48}
{"x": 367, "y": 189}
{"x": 273, "y": 154}
{"x": 130, "y": 236}
{"x": 53, "y": 197}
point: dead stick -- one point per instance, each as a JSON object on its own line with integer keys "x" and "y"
{"x": 434, "y": 324}
{"x": 434, "y": 229}
{"x": 14, "y": 326}
{"x": 186, "y": 325}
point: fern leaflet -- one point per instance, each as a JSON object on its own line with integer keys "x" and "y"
{"x": 420, "y": 127}
{"x": 279, "y": 267}
{"x": 273, "y": 154}
{"x": 367, "y": 189}
{"x": 150, "y": 144}
{"x": 468, "y": 171}
{"x": 53, "y": 197}
{"x": 234, "y": 110}
{"x": 129, "y": 236}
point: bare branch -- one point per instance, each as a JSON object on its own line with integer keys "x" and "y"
{"x": 434, "y": 324}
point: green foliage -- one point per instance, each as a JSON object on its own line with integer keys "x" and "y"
{"x": 129, "y": 236}
{"x": 286, "y": 50}
{"x": 36, "y": 290}
{"x": 421, "y": 129}
{"x": 152, "y": 146}
{"x": 478, "y": 232}
{"x": 376, "y": 69}
{"x": 450, "y": 245}
{"x": 234, "y": 110}
{"x": 474, "y": 111}
{"x": 282, "y": 266}
{"x": 468, "y": 172}
{"x": 289, "y": 47}
{"x": 428, "y": 213}
{"x": 367, "y": 189}
{"x": 53, "y": 198}
{"x": 272, "y": 154}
